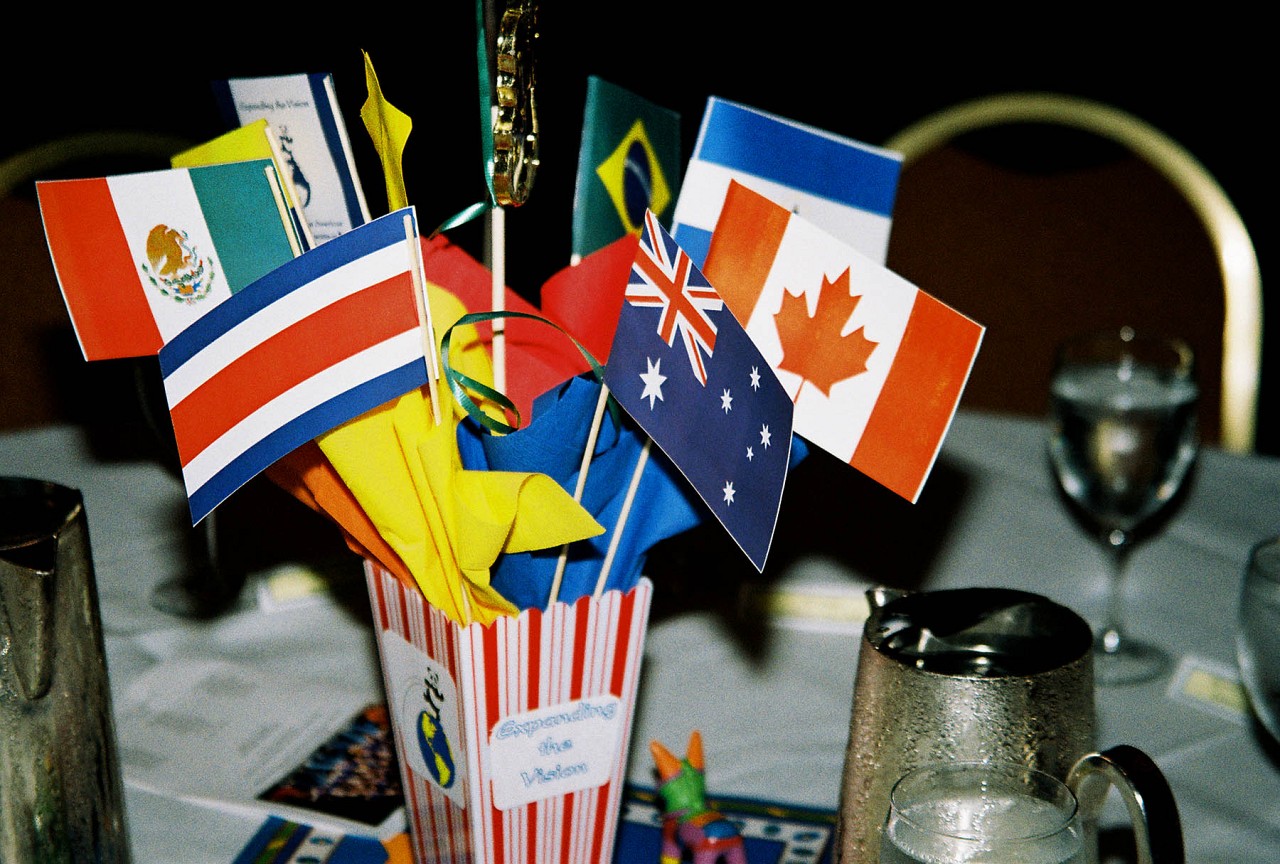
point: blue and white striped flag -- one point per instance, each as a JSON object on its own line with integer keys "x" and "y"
{"x": 842, "y": 186}
{"x": 312, "y": 344}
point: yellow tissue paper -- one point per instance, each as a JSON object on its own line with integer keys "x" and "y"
{"x": 449, "y": 524}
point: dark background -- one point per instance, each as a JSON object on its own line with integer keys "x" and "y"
{"x": 851, "y": 70}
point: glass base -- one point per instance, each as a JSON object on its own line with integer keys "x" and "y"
{"x": 194, "y": 598}
{"x": 204, "y": 588}
{"x": 1127, "y": 661}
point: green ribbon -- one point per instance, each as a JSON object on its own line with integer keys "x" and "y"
{"x": 459, "y": 383}
{"x": 486, "y": 101}
{"x": 477, "y": 209}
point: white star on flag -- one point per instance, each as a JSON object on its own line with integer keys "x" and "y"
{"x": 652, "y": 382}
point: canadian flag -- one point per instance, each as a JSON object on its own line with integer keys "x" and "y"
{"x": 874, "y": 365}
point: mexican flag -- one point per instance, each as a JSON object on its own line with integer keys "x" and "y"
{"x": 140, "y": 256}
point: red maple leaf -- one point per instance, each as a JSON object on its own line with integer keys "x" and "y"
{"x": 812, "y": 347}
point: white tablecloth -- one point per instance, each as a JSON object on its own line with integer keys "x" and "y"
{"x": 989, "y": 516}
{"x": 771, "y": 697}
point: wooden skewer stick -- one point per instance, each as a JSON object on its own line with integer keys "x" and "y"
{"x": 582, "y": 483}
{"x": 424, "y": 316}
{"x": 497, "y": 300}
{"x": 622, "y": 517}
{"x": 497, "y": 226}
{"x": 277, "y": 154}
{"x": 291, "y": 231}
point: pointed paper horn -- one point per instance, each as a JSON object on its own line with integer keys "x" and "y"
{"x": 668, "y": 764}
{"x": 694, "y": 752}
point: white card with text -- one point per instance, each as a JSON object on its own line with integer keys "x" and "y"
{"x": 554, "y": 751}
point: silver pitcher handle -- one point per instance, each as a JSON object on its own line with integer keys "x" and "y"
{"x": 1157, "y": 828}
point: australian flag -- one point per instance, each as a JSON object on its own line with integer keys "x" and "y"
{"x": 688, "y": 373}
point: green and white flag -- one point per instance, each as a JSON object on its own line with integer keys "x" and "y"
{"x": 139, "y": 257}
{"x": 629, "y": 162}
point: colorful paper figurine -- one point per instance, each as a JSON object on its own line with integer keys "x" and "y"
{"x": 688, "y": 822}
{"x": 874, "y": 365}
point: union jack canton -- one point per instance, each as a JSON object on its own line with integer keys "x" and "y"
{"x": 664, "y": 276}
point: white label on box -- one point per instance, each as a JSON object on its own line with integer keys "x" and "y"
{"x": 554, "y": 751}
{"x": 424, "y": 702}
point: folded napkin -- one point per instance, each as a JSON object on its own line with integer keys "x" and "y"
{"x": 553, "y": 444}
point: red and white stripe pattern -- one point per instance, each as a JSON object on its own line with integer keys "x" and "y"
{"x": 314, "y": 343}
{"x": 536, "y": 660}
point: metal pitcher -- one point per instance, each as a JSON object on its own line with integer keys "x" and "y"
{"x": 61, "y": 793}
{"x": 984, "y": 674}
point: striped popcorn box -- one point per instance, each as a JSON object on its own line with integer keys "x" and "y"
{"x": 512, "y": 736}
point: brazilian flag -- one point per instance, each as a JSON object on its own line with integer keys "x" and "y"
{"x": 629, "y": 162}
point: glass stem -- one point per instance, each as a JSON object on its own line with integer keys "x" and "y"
{"x": 1112, "y": 634}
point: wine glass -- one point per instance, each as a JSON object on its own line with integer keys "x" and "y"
{"x": 1122, "y": 442}
{"x": 203, "y": 588}
{"x": 1258, "y": 634}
